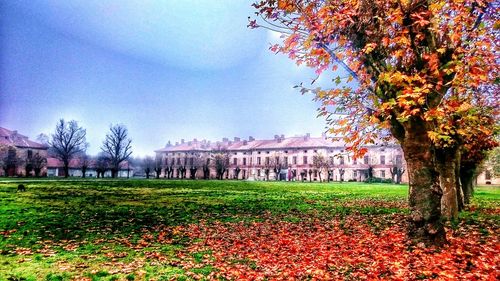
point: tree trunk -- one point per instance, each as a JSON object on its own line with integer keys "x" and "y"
{"x": 467, "y": 175}
{"x": 424, "y": 192}
{"x": 66, "y": 168}
{"x": 446, "y": 163}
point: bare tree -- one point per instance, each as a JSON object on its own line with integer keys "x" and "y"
{"x": 148, "y": 164}
{"x": 68, "y": 141}
{"x": 38, "y": 162}
{"x": 278, "y": 164}
{"x": 101, "y": 165}
{"x": 220, "y": 158}
{"x": 269, "y": 164}
{"x": 397, "y": 170}
{"x": 320, "y": 163}
{"x": 199, "y": 161}
{"x": 117, "y": 147}
{"x": 83, "y": 163}
{"x": 158, "y": 166}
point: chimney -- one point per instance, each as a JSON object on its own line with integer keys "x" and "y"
{"x": 168, "y": 144}
{"x": 182, "y": 140}
{"x": 236, "y": 139}
{"x": 189, "y": 143}
{"x": 250, "y": 138}
{"x": 14, "y": 132}
{"x": 176, "y": 143}
{"x": 323, "y": 135}
{"x": 282, "y": 137}
{"x": 195, "y": 140}
{"x": 276, "y": 137}
{"x": 225, "y": 139}
{"x": 307, "y": 136}
{"x": 245, "y": 142}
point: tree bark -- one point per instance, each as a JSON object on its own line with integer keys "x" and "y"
{"x": 446, "y": 163}
{"x": 66, "y": 168}
{"x": 424, "y": 192}
{"x": 467, "y": 175}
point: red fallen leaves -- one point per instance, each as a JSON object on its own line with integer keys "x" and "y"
{"x": 336, "y": 249}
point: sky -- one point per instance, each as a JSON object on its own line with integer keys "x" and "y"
{"x": 167, "y": 70}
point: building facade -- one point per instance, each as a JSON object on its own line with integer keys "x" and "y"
{"x": 21, "y": 156}
{"x": 301, "y": 158}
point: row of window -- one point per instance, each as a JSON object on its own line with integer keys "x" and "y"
{"x": 267, "y": 160}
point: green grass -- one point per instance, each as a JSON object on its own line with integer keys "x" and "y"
{"x": 70, "y": 226}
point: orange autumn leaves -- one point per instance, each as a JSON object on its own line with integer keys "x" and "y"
{"x": 410, "y": 58}
{"x": 352, "y": 247}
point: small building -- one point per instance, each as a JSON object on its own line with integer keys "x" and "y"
{"x": 20, "y": 156}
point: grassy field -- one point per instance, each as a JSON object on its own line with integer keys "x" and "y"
{"x": 136, "y": 229}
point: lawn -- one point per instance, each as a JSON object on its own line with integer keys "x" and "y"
{"x": 184, "y": 230}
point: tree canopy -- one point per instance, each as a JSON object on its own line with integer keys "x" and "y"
{"x": 425, "y": 73}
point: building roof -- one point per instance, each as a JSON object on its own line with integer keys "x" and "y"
{"x": 279, "y": 142}
{"x": 8, "y": 137}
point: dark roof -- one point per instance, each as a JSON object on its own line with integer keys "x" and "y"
{"x": 8, "y": 137}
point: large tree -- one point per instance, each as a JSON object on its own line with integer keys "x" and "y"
{"x": 117, "y": 147}
{"x": 67, "y": 142}
{"x": 416, "y": 62}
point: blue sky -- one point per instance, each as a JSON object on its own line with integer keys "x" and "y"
{"x": 165, "y": 69}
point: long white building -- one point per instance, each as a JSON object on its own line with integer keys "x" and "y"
{"x": 294, "y": 158}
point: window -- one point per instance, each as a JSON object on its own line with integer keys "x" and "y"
{"x": 382, "y": 174}
{"x": 341, "y": 160}
{"x": 30, "y": 154}
{"x": 304, "y": 160}
{"x": 355, "y": 174}
{"x": 258, "y": 172}
{"x": 277, "y": 160}
{"x": 382, "y": 159}
{"x": 366, "y": 160}
{"x": 399, "y": 160}
{"x": 244, "y": 161}
{"x": 285, "y": 161}
{"x": 294, "y": 160}
{"x": 487, "y": 175}
{"x": 235, "y": 161}
{"x": 267, "y": 160}
{"x": 191, "y": 161}
{"x": 355, "y": 161}
{"x": 267, "y": 152}
{"x": 315, "y": 151}
{"x": 305, "y": 151}
{"x": 258, "y": 160}
{"x": 332, "y": 160}
{"x": 178, "y": 161}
